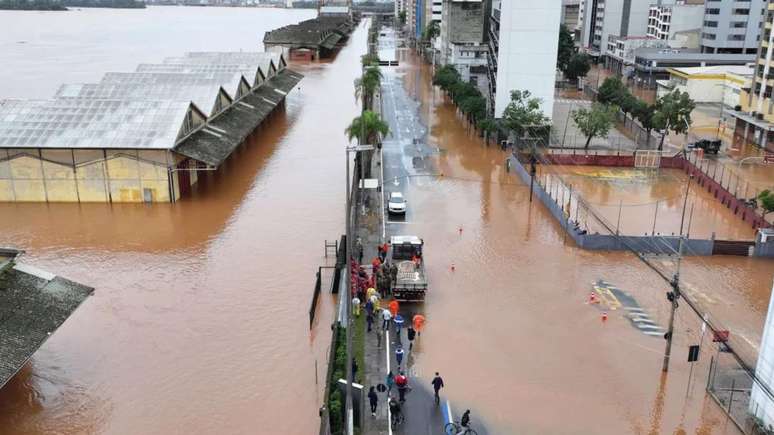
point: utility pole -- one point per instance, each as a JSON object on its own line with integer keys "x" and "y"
{"x": 674, "y": 295}
{"x": 348, "y": 305}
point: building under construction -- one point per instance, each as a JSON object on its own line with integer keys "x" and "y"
{"x": 139, "y": 136}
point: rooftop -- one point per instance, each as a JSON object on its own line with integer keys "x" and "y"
{"x": 690, "y": 55}
{"x": 316, "y": 32}
{"x": 33, "y": 304}
{"x": 156, "y": 107}
{"x": 739, "y": 70}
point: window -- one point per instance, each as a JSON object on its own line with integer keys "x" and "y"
{"x": 710, "y": 24}
{"x": 710, "y": 36}
{"x": 713, "y": 11}
{"x": 741, "y": 12}
{"x": 739, "y": 24}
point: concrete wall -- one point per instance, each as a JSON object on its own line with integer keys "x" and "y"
{"x": 466, "y": 21}
{"x": 42, "y": 175}
{"x": 529, "y": 38}
{"x": 609, "y": 242}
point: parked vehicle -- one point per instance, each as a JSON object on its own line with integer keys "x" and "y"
{"x": 396, "y": 204}
{"x": 709, "y": 146}
{"x": 410, "y": 283}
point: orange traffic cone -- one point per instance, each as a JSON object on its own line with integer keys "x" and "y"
{"x": 604, "y": 316}
{"x": 593, "y": 298}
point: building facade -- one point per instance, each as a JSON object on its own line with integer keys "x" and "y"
{"x": 666, "y": 21}
{"x": 721, "y": 84}
{"x": 620, "y": 51}
{"x": 571, "y": 14}
{"x": 462, "y": 40}
{"x": 603, "y": 18}
{"x": 754, "y": 122}
{"x": 732, "y": 26}
{"x": 523, "y": 40}
{"x": 761, "y": 402}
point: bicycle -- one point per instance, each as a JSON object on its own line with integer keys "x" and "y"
{"x": 455, "y": 428}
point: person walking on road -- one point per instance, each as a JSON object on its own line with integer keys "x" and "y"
{"x": 437, "y": 385}
{"x": 369, "y": 319}
{"x": 390, "y": 381}
{"x": 401, "y": 381}
{"x": 373, "y": 400}
{"x": 398, "y": 324}
{"x": 399, "y": 355}
{"x": 356, "y": 306}
{"x": 386, "y": 317}
{"x": 419, "y": 323}
{"x": 393, "y": 305}
{"x": 411, "y": 334}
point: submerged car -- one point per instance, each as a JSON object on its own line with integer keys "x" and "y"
{"x": 396, "y": 203}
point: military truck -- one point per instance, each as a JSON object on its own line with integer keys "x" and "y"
{"x": 410, "y": 283}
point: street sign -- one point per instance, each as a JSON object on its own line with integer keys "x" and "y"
{"x": 693, "y": 353}
{"x": 720, "y": 336}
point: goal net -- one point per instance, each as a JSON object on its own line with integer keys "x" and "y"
{"x": 647, "y": 159}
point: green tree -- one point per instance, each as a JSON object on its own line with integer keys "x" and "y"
{"x": 487, "y": 127}
{"x": 673, "y": 113}
{"x": 402, "y": 18}
{"x": 523, "y": 114}
{"x": 766, "y": 198}
{"x": 369, "y": 60}
{"x": 445, "y": 77}
{"x": 595, "y": 121}
{"x": 627, "y": 103}
{"x": 566, "y": 48}
{"x": 578, "y": 66}
{"x": 645, "y": 113}
{"x": 367, "y": 128}
{"x": 367, "y": 85}
{"x": 474, "y": 106}
{"x": 611, "y": 91}
{"x": 432, "y": 31}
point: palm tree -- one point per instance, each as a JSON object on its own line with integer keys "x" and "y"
{"x": 368, "y": 128}
{"x": 367, "y": 85}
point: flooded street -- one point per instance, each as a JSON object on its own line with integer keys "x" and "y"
{"x": 199, "y": 322}
{"x": 510, "y": 328}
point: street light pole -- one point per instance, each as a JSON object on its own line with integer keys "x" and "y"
{"x": 674, "y": 295}
{"x": 348, "y": 305}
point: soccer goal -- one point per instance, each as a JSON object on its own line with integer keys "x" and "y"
{"x": 647, "y": 159}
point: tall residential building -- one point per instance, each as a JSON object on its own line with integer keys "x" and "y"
{"x": 754, "y": 123}
{"x": 571, "y": 17}
{"x": 603, "y": 18}
{"x": 523, "y": 40}
{"x": 761, "y": 402}
{"x": 732, "y": 26}
{"x": 666, "y": 21}
{"x": 463, "y": 39}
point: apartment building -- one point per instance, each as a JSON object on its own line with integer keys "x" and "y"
{"x": 571, "y": 17}
{"x": 602, "y": 18}
{"x": 463, "y": 39}
{"x": 732, "y": 26}
{"x": 754, "y": 122}
{"x": 667, "y": 21}
{"x": 620, "y": 54}
{"x": 523, "y": 40}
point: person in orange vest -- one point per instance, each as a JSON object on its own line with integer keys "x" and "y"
{"x": 419, "y": 323}
{"x": 393, "y": 305}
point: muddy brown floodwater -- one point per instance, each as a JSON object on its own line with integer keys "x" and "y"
{"x": 510, "y": 329}
{"x": 199, "y": 322}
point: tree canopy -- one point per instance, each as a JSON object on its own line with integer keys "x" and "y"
{"x": 367, "y": 128}
{"x": 611, "y": 91}
{"x": 595, "y": 121}
{"x": 766, "y": 198}
{"x": 367, "y": 85}
{"x": 673, "y": 113}
{"x": 578, "y": 66}
{"x": 566, "y": 48}
{"x": 523, "y": 113}
{"x": 432, "y": 31}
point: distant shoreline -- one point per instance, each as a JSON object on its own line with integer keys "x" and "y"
{"x": 48, "y": 5}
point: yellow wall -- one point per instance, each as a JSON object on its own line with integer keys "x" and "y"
{"x": 84, "y": 175}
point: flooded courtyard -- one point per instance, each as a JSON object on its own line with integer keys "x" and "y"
{"x": 199, "y": 322}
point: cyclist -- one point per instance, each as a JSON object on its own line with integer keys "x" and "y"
{"x": 465, "y": 421}
{"x": 395, "y": 412}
